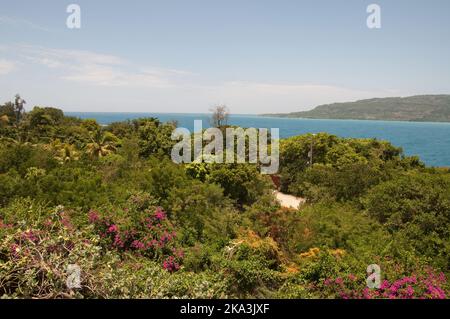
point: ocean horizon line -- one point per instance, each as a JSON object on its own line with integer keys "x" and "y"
{"x": 256, "y": 115}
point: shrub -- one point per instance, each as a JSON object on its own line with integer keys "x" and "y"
{"x": 428, "y": 285}
{"x": 151, "y": 236}
{"x": 34, "y": 259}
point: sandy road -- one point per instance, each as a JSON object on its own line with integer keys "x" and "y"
{"x": 289, "y": 201}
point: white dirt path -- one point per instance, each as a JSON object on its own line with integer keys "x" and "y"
{"x": 289, "y": 201}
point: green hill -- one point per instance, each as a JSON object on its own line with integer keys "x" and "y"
{"x": 432, "y": 108}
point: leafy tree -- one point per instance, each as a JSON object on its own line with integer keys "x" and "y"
{"x": 416, "y": 208}
{"x": 294, "y": 154}
{"x": 8, "y": 110}
{"x": 122, "y": 129}
{"x": 64, "y": 152}
{"x": 154, "y": 137}
{"x": 241, "y": 182}
{"x": 102, "y": 144}
{"x": 342, "y": 154}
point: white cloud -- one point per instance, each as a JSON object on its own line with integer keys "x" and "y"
{"x": 115, "y": 81}
{"x": 255, "y": 97}
{"x": 61, "y": 57}
{"x": 19, "y": 22}
{"x": 108, "y": 76}
{"x": 92, "y": 68}
{"x": 6, "y": 67}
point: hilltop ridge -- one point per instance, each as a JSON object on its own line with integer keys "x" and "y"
{"x": 420, "y": 108}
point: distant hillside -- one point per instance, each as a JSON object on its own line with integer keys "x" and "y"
{"x": 432, "y": 108}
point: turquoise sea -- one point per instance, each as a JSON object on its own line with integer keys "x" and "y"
{"x": 429, "y": 141}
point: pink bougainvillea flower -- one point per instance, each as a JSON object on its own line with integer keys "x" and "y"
{"x": 118, "y": 241}
{"x": 159, "y": 214}
{"x": 113, "y": 229}
{"x": 385, "y": 284}
{"x": 170, "y": 264}
{"x": 409, "y": 291}
{"x": 29, "y": 235}
{"x": 138, "y": 244}
{"x": 93, "y": 217}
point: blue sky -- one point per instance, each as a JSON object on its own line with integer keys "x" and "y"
{"x": 187, "y": 56}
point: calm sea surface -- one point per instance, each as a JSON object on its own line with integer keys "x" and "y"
{"x": 430, "y": 141}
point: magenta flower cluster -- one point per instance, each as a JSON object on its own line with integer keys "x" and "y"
{"x": 27, "y": 242}
{"x": 19, "y": 247}
{"x": 170, "y": 264}
{"x": 427, "y": 286}
{"x": 29, "y": 235}
{"x": 152, "y": 237}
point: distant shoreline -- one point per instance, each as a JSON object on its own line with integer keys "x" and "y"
{"x": 418, "y": 108}
{"x": 348, "y": 119}
{"x": 275, "y": 116}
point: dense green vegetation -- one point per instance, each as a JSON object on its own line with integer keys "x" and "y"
{"x": 430, "y": 108}
{"x": 110, "y": 200}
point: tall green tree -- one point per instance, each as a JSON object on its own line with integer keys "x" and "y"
{"x": 102, "y": 144}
